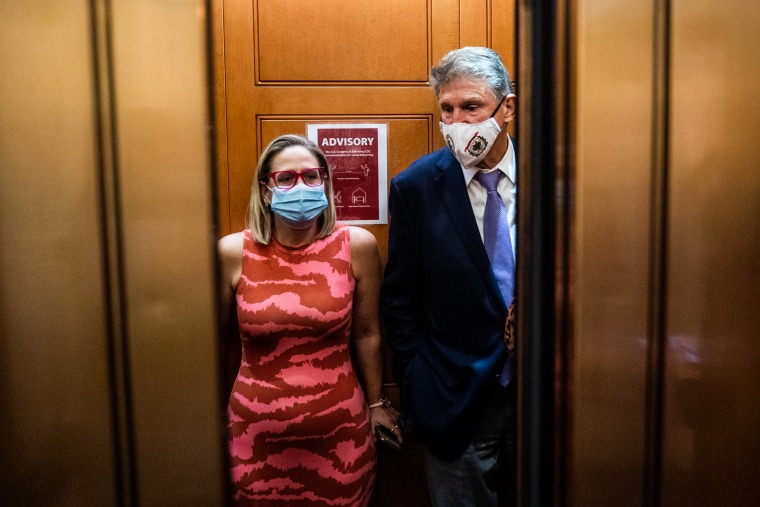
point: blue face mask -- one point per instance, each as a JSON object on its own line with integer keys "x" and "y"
{"x": 300, "y": 206}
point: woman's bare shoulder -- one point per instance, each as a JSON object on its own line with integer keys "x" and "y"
{"x": 364, "y": 251}
{"x": 231, "y": 246}
{"x": 361, "y": 238}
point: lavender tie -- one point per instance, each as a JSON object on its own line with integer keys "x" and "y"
{"x": 498, "y": 245}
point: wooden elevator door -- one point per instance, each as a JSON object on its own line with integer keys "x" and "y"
{"x": 282, "y": 65}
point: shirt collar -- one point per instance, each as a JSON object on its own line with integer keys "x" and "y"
{"x": 507, "y": 165}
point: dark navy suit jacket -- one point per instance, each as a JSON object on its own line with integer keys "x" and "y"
{"x": 441, "y": 305}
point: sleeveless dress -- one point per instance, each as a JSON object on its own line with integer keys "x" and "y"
{"x": 299, "y": 427}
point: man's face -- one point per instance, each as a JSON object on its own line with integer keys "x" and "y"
{"x": 471, "y": 101}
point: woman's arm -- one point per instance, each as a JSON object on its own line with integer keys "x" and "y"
{"x": 230, "y": 250}
{"x": 365, "y": 263}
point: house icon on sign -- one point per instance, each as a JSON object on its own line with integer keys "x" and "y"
{"x": 359, "y": 196}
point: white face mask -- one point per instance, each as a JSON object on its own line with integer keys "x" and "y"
{"x": 469, "y": 142}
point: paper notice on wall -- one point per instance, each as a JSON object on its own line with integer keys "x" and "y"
{"x": 358, "y": 157}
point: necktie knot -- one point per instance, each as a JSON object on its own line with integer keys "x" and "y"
{"x": 489, "y": 180}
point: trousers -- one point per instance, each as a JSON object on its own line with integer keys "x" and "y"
{"x": 484, "y": 475}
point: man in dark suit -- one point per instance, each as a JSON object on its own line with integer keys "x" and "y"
{"x": 443, "y": 308}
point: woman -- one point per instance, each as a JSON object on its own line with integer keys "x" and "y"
{"x": 300, "y": 427}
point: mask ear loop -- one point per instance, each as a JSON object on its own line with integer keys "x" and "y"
{"x": 267, "y": 202}
{"x": 497, "y": 109}
{"x": 498, "y": 106}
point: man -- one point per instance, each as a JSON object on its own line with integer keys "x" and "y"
{"x": 442, "y": 302}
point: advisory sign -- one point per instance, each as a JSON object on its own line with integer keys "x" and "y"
{"x": 358, "y": 158}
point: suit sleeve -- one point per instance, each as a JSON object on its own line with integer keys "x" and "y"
{"x": 401, "y": 302}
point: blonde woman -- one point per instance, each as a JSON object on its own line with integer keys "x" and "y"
{"x": 300, "y": 425}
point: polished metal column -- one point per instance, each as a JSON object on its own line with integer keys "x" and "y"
{"x": 110, "y": 392}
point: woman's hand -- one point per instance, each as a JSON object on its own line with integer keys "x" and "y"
{"x": 388, "y": 417}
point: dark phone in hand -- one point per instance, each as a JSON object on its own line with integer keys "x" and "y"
{"x": 387, "y": 437}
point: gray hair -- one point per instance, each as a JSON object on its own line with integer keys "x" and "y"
{"x": 472, "y": 63}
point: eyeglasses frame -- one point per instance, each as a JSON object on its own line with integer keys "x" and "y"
{"x": 298, "y": 175}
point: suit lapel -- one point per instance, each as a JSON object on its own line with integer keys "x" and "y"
{"x": 451, "y": 188}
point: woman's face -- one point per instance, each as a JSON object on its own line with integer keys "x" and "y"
{"x": 293, "y": 158}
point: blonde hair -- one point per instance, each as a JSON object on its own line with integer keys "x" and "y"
{"x": 259, "y": 215}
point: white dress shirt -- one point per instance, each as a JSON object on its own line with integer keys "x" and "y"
{"x": 507, "y": 190}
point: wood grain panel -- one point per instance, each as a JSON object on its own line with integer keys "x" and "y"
{"x": 341, "y": 41}
{"x": 247, "y": 99}
{"x": 501, "y": 31}
{"x": 445, "y": 22}
{"x": 220, "y": 118}
{"x": 238, "y": 82}
{"x": 474, "y": 22}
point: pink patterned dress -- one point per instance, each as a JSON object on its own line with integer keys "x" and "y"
{"x": 299, "y": 428}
